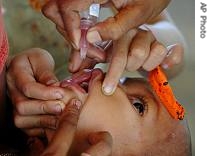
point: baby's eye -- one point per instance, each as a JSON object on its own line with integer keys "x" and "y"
{"x": 140, "y": 105}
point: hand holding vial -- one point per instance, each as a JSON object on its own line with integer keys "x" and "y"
{"x": 125, "y": 53}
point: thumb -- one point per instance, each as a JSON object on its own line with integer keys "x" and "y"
{"x": 174, "y": 57}
{"x": 113, "y": 28}
{"x": 101, "y": 144}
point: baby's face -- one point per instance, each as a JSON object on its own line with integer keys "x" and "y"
{"x": 133, "y": 116}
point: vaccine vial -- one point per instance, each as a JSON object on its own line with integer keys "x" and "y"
{"x": 88, "y": 19}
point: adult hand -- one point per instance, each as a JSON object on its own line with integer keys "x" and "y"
{"x": 65, "y": 14}
{"x": 101, "y": 142}
{"x": 131, "y": 14}
{"x": 135, "y": 50}
{"x": 36, "y": 103}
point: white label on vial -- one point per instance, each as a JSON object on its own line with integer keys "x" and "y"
{"x": 94, "y": 9}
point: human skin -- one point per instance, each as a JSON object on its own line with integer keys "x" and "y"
{"x": 133, "y": 50}
{"x": 101, "y": 142}
{"x": 37, "y": 101}
{"x": 147, "y": 130}
{"x": 130, "y": 14}
{"x": 152, "y": 131}
{"x": 29, "y": 79}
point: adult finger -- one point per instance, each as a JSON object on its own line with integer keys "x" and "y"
{"x": 38, "y": 107}
{"x": 62, "y": 140}
{"x": 69, "y": 10}
{"x": 174, "y": 57}
{"x": 75, "y": 61}
{"x": 42, "y": 64}
{"x": 51, "y": 11}
{"x": 13, "y": 92}
{"x": 101, "y": 144}
{"x": 38, "y": 91}
{"x": 25, "y": 106}
{"x": 96, "y": 54}
{"x": 63, "y": 33}
{"x": 36, "y": 121}
{"x": 29, "y": 67}
{"x": 131, "y": 15}
{"x": 118, "y": 62}
{"x": 139, "y": 49}
{"x": 157, "y": 55}
{"x": 35, "y": 132}
{"x": 30, "y": 88}
{"x": 88, "y": 64}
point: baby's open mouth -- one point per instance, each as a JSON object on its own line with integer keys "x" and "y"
{"x": 80, "y": 80}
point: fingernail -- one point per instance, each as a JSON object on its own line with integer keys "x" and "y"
{"x": 85, "y": 154}
{"x": 50, "y": 82}
{"x": 74, "y": 45}
{"x": 169, "y": 52}
{"x": 169, "y": 48}
{"x": 58, "y": 95}
{"x": 77, "y": 103}
{"x": 58, "y": 108}
{"x": 93, "y": 36}
{"x": 164, "y": 66}
{"x": 108, "y": 89}
{"x": 87, "y": 70}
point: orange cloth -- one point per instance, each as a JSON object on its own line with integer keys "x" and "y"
{"x": 163, "y": 90}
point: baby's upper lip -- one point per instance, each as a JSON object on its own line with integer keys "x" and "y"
{"x": 81, "y": 81}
